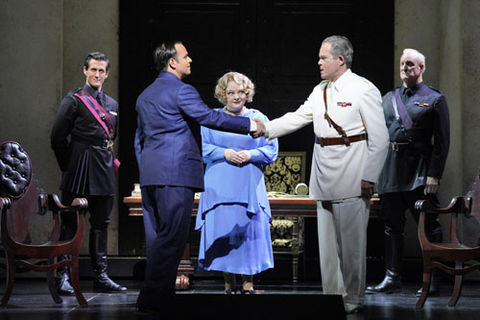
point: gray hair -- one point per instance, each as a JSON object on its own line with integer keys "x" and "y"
{"x": 418, "y": 56}
{"x": 341, "y": 46}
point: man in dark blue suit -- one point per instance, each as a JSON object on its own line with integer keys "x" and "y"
{"x": 168, "y": 151}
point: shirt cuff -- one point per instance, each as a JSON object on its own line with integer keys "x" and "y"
{"x": 253, "y": 126}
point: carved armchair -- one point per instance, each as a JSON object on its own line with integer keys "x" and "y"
{"x": 20, "y": 199}
{"x": 438, "y": 255}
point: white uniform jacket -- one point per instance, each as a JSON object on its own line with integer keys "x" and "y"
{"x": 355, "y": 104}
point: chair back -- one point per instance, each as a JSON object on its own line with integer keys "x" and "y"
{"x": 17, "y": 183}
{"x": 285, "y": 173}
{"x": 473, "y": 202}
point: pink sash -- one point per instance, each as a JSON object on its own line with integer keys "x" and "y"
{"x": 84, "y": 96}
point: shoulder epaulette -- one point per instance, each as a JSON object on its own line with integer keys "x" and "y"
{"x": 435, "y": 89}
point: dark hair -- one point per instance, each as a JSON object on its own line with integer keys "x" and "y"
{"x": 341, "y": 46}
{"x": 96, "y": 56}
{"x": 163, "y": 53}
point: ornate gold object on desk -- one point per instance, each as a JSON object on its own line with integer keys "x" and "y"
{"x": 286, "y": 172}
{"x": 301, "y": 189}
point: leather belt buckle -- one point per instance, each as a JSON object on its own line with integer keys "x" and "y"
{"x": 393, "y": 146}
{"x": 321, "y": 141}
{"x": 107, "y": 144}
{"x": 346, "y": 141}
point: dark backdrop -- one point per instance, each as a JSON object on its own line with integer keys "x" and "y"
{"x": 275, "y": 43}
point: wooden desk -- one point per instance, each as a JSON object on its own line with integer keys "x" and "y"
{"x": 289, "y": 206}
{"x": 280, "y": 207}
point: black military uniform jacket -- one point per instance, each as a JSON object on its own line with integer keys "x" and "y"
{"x": 80, "y": 145}
{"x": 417, "y": 149}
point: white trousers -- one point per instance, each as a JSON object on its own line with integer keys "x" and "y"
{"x": 342, "y": 238}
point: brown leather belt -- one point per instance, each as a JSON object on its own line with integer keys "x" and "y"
{"x": 340, "y": 140}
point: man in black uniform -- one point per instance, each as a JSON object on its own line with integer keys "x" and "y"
{"x": 417, "y": 118}
{"x": 82, "y": 139}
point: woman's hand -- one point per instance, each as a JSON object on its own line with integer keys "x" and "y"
{"x": 237, "y": 157}
{"x": 246, "y": 155}
{"x": 233, "y": 156}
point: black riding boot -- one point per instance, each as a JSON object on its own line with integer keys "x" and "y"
{"x": 98, "y": 255}
{"x": 393, "y": 263}
{"x": 62, "y": 281}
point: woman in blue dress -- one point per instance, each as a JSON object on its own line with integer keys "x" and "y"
{"x": 234, "y": 213}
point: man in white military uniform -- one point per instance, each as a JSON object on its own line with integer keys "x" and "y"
{"x": 350, "y": 149}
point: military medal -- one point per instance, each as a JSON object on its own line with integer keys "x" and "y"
{"x": 421, "y": 104}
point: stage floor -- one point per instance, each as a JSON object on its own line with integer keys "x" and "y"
{"x": 31, "y": 300}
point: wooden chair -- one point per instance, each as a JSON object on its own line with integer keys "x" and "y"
{"x": 454, "y": 251}
{"x": 20, "y": 199}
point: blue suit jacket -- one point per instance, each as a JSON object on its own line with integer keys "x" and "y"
{"x": 167, "y": 140}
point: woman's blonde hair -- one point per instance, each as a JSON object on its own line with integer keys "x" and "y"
{"x": 239, "y": 78}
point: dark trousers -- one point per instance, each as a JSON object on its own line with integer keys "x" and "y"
{"x": 394, "y": 205}
{"x": 166, "y": 216}
{"x": 99, "y": 208}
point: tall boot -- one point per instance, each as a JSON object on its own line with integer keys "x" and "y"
{"x": 393, "y": 263}
{"x": 98, "y": 256}
{"x": 62, "y": 280}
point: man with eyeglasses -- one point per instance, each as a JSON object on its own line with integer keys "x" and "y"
{"x": 417, "y": 118}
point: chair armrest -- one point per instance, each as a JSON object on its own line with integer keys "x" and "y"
{"x": 456, "y": 205}
{"x": 4, "y": 203}
{"x": 79, "y": 205}
{"x": 55, "y": 204}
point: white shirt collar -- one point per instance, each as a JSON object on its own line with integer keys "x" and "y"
{"x": 342, "y": 80}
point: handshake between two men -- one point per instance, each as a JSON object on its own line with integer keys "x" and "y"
{"x": 366, "y": 186}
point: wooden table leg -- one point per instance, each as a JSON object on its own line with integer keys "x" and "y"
{"x": 185, "y": 269}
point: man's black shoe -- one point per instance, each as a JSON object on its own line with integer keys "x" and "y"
{"x": 102, "y": 283}
{"x": 63, "y": 286}
{"x": 390, "y": 284}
